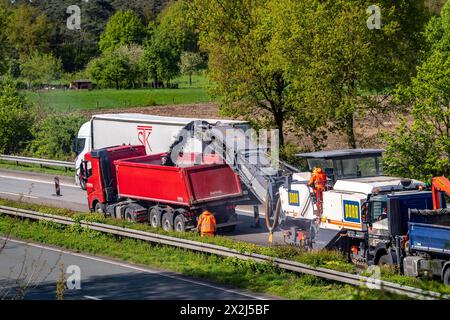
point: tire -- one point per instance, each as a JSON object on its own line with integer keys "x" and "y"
{"x": 99, "y": 208}
{"x": 154, "y": 218}
{"x": 447, "y": 277}
{"x": 180, "y": 223}
{"x": 166, "y": 222}
{"x": 129, "y": 215}
{"x": 384, "y": 261}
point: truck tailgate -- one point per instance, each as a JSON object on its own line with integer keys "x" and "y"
{"x": 208, "y": 183}
{"x": 430, "y": 238}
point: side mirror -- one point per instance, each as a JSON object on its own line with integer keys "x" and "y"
{"x": 365, "y": 213}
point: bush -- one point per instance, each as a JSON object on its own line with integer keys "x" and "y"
{"x": 54, "y": 135}
{"x": 16, "y": 119}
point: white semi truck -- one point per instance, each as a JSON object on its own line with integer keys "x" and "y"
{"x": 156, "y": 133}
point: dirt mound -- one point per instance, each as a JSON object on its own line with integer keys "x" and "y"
{"x": 207, "y": 111}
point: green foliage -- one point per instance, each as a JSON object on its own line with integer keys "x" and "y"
{"x": 329, "y": 55}
{"x": 41, "y": 68}
{"x": 423, "y": 149}
{"x": 111, "y": 69}
{"x": 306, "y": 60}
{"x": 27, "y": 30}
{"x": 167, "y": 39}
{"x": 123, "y": 28}
{"x": 16, "y": 119}
{"x": 53, "y": 136}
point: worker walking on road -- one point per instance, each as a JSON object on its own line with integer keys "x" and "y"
{"x": 207, "y": 224}
{"x": 318, "y": 181}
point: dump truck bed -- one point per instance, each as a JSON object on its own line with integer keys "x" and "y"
{"x": 145, "y": 178}
{"x": 429, "y": 238}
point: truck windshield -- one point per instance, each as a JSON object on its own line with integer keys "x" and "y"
{"x": 378, "y": 208}
{"x": 359, "y": 167}
{"x": 349, "y": 168}
{"x": 78, "y": 145}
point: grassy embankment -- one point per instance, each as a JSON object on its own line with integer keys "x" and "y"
{"x": 72, "y": 101}
{"x": 327, "y": 259}
{"x": 252, "y": 276}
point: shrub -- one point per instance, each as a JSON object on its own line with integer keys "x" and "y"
{"x": 16, "y": 119}
{"x": 54, "y": 135}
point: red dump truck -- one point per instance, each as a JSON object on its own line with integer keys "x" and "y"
{"x": 125, "y": 183}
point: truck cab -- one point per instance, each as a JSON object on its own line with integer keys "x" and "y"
{"x": 386, "y": 216}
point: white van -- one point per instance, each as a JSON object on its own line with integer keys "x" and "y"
{"x": 157, "y": 133}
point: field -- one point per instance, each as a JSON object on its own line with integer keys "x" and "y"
{"x": 71, "y": 101}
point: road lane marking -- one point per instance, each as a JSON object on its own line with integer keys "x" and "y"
{"x": 19, "y": 195}
{"x": 91, "y": 298}
{"x": 39, "y": 181}
{"x": 136, "y": 268}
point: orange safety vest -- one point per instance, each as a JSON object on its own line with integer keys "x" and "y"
{"x": 318, "y": 179}
{"x": 207, "y": 223}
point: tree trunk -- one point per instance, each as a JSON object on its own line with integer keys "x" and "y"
{"x": 190, "y": 79}
{"x": 350, "y": 130}
{"x": 279, "y": 121}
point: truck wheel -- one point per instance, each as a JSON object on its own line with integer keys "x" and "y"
{"x": 180, "y": 223}
{"x": 155, "y": 218}
{"x": 384, "y": 261}
{"x": 447, "y": 277}
{"x": 166, "y": 222}
{"x": 99, "y": 208}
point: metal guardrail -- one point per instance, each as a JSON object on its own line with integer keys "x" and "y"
{"x": 292, "y": 266}
{"x": 41, "y": 162}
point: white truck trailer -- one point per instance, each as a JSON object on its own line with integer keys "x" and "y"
{"x": 156, "y": 133}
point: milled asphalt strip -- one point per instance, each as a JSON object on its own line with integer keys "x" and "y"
{"x": 133, "y": 267}
{"x": 38, "y": 181}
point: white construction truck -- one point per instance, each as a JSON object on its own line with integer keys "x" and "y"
{"x": 156, "y": 133}
{"x": 365, "y": 213}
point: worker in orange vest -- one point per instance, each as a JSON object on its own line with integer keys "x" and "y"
{"x": 318, "y": 181}
{"x": 207, "y": 224}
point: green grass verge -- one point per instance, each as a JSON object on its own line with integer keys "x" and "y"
{"x": 71, "y": 101}
{"x": 36, "y": 168}
{"x": 326, "y": 259}
{"x": 256, "y": 277}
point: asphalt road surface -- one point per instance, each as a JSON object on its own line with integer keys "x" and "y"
{"x": 40, "y": 189}
{"x": 32, "y": 271}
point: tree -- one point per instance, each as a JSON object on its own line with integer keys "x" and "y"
{"x": 331, "y": 57}
{"x": 16, "y": 119}
{"x": 41, "y": 68}
{"x": 28, "y": 30}
{"x": 168, "y": 37}
{"x": 307, "y": 60}
{"x": 190, "y": 63}
{"x": 119, "y": 68}
{"x": 124, "y": 28}
{"x": 422, "y": 150}
{"x": 249, "y": 81}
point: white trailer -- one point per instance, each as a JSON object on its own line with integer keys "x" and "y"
{"x": 157, "y": 133}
